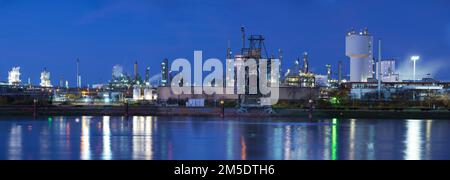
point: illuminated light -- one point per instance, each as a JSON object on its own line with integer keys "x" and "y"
{"x": 335, "y": 101}
{"x": 14, "y": 76}
{"x": 86, "y": 100}
{"x": 415, "y": 58}
{"x": 334, "y": 140}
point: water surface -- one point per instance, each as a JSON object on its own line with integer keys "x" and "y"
{"x": 186, "y": 138}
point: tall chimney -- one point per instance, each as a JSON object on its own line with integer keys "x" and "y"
{"x": 136, "y": 71}
{"x": 78, "y": 74}
{"x": 379, "y": 69}
{"x": 340, "y": 72}
{"x": 243, "y": 39}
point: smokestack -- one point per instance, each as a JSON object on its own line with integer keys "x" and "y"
{"x": 136, "y": 71}
{"x": 305, "y": 63}
{"x": 78, "y": 73}
{"x": 379, "y": 69}
{"x": 61, "y": 82}
{"x": 229, "y": 50}
{"x": 340, "y": 72}
{"x": 147, "y": 75}
{"x": 243, "y": 39}
{"x": 280, "y": 57}
{"x": 329, "y": 72}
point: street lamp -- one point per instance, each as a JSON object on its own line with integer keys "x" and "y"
{"x": 415, "y": 59}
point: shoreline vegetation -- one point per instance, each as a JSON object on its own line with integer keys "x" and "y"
{"x": 227, "y": 112}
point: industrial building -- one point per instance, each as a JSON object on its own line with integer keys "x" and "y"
{"x": 387, "y": 71}
{"x": 14, "y": 76}
{"x": 300, "y": 77}
{"x": 407, "y": 91}
{"x": 370, "y": 80}
{"x": 45, "y": 79}
{"x": 287, "y": 94}
{"x": 165, "y": 80}
{"x": 299, "y": 86}
{"x": 144, "y": 93}
{"x": 119, "y": 79}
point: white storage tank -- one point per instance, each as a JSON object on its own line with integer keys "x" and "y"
{"x": 148, "y": 93}
{"x": 359, "y": 48}
{"x": 137, "y": 93}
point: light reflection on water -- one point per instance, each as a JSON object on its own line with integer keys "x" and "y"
{"x": 184, "y": 138}
{"x": 106, "y": 153}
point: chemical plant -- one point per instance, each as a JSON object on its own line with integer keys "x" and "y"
{"x": 372, "y": 82}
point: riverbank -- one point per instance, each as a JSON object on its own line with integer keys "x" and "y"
{"x": 219, "y": 112}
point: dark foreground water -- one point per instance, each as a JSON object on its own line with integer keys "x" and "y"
{"x": 182, "y": 138}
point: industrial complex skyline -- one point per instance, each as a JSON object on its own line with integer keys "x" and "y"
{"x": 224, "y": 80}
{"x": 52, "y": 34}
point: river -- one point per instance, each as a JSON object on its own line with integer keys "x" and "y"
{"x": 194, "y": 138}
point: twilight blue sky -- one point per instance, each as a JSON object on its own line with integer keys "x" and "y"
{"x": 102, "y": 33}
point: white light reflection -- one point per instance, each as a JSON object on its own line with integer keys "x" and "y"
{"x": 44, "y": 144}
{"x": 230, "y": 141}
{"x": 413, "y": 140}
{"x": 277, "y": 143}
{"x": 15, "y": 143}
{"x": 371, "y": 144}
{"x": 85, "y": 138}
{"x": 142, "y": 138}
{"x": 302, "y": 143}
{"x": 106, "y": 154}
{"x": 287, "y": 143}
{"x": 327, "y": 142}
{"x": 428, "y": 137}
{"x": 149, "y": 138}
{"x": 351, "y": 150}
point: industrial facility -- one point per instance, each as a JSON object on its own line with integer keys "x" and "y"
{"x": 370, "y": 80}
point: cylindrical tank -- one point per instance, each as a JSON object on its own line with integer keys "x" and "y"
{"x": 148, "y": 93}
{"x": 137, "y": 93}
{"x": 359, "y": 49}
